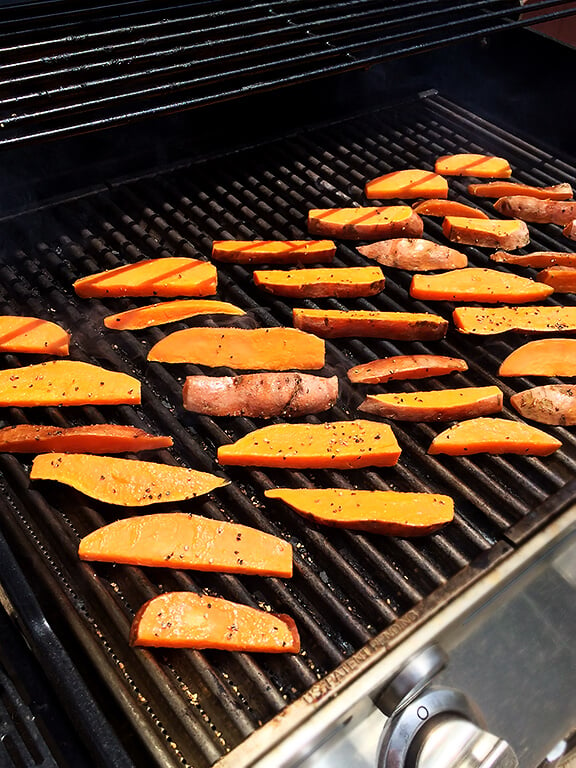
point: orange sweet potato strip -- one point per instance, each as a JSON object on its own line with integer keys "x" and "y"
{"x": 188, "y": 620}
{"x": 486, "y": 321}
{"x": 95, "y": 438}
{"x": 274, "y": 251}
{"x": 406, "y": 184}
{"x": 494, "y": 436}
{"x": 436, "y": 405}
{"x": 391, "y": 513}
{"x": 366, "y": 223}
{"x": 168, "y": 277}
{"x": 341, "y": 323}
{"x": 548, "y": 404}
{"x": 561, "y": 279}
{"x": 505, "y": 188}
{"x": 168, "y": 312}
{"x": 414, "y": 253}
{"x": 33, "y": 335}
{"x": 448, "y": 208}
{"x": 344, "y": 282}
{"x": 334, "y": 445}
{"x": 530, "y": 209}
{"x": 126, "y": 482}
{"x": 543, "y": 357}
{"x": 536, "y": 258}
{"x": 469, "y": 164}
{"x": 400, "y": 367}
{"x": 66, "y": 382}
{"x": 276, "y": 349}
{"x": 180, "y": 540}
{"x": 478, "y": 284}
{"x": 486, "y": 233}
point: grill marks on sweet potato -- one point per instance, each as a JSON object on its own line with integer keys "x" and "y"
{"x": 339, "y": 323}
{"x": 32, "y": 335}
{"x": 435, "y": 405}
{"x": 414, "y": 254}
{"x": 168, "y": 312}
{"x": 95, "y": 438}
{"x": 478, "y": 284}
{"x": 406, "y": 184}
{"x": 390, "y": 513}
{"x": 486, "y": 233}
{"x": 494, "y": 436}
{"x": 365, "y": 223}
{"x": 542, "y": 357}
{"x": 492, "y": 320}
{"x": 126, "y": 482}
{"x": 471, "y": 164}
{"x": 344, "y": 282}
{"x": 274, "y": 251}
{"x": 400, "y": 367}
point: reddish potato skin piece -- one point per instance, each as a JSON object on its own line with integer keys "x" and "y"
{"x": 536, "y": 211}
{"x": 260, "y": 395}
{"x": 401, "y": 367}
{"x": 486, "y": 233}
{"x": 414, "y": 254}
{"x": 367, "y": 223}
{"x": 494, "y": 436}
{"x": 96, "y": 438}
{"x": 437, "y": 405}
{"x": 536, "y": 259}
{"x": 498, "y": 189}
{"x": 549, "y": 404}
{"x": 570, "y": 230}
{"x": 336, "y": 324}
{"x": 344, "y": 282}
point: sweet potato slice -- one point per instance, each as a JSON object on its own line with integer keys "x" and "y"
{"x": 443, "y": 208}
{"x": 274, "y": 251}
{"x": 486, "y": 321}
{"x": 537, "y": 211}
{"x": 276, "y": 349}
{"x": 32, "y": 335}
{"x": 334, "y": 445}
{"x": 548, "y": 404}
{"x": 414, "y": 253}
{"x": 168, "y": 312}
{"x": 469, "y": 164}
{"x": 66, "y": 382}
{"x": 542, "y": 357}
{"x": 486, "y": 233}
{"x": 400, "y": 367}
{"x": 507, "y": 188}
{"x": 168, "y": 277}
{"x": 341, "y": 323}
{"x": 570, "y": 230}
{"x": 188, "y": 620}
{"x": 494, "y": 436}
{"x": 391, "y": 513}
{"x": 180, "y": 540}
{"x": 126, "y": 482}
{"x": 95, "y": 438}
{"x": 561, "y": 279}
{"x": 478, "y": 284}
{"x": 366, "y": 223}
{"x": 260, "y": 395}
{"x": 406, "y": 184}
{"x": 346, "y": 282}
{"x": 536, "y": 258}
{"x": 437, "y": 405}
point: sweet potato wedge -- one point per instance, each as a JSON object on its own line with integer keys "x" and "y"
{"x": 537, "y": 211}
{"x": 181, "y": 540}
{"x": 478, "y": 284}
{"x": 495, "y": 436}
{"x": 95, "y": 438}
{"x": 570, "y": 230}
{"x": 561, "y": 279}
{"x": 274, "y": 251}
{"x": 366, "y": 223}
{"x": 345, "y": 282}
{"x": 334, "y": 445}
{"x": 542, "y": 357}
{"x": 341, "y": 323}
{"x": 507, "y": 188}
{"x": 548, "y": 404}
{"x": 168, "y": 277}
{"x": 470, "y": 164}
{"x": 406, "y": 184}
{"x": 126, "y": 482}
{"x": 536, "y": 258}
{"x": 486, "y": 321}
{"x": 260, "y": 395}
{"x": 32, "y": 335}
{"x": 400, "y": 367}
{"x": 276, "y": 349}
{"x": 443, "y": 208}
{"x": 188, "y": 620}
{"x": 414, "y": 254}
{"x": 391, "y": 513}
{"x": 436, "y": 405}
{"x": 66, "y": 382}
{"x": 486, "y": 233}
{"x": 168, "y": 312}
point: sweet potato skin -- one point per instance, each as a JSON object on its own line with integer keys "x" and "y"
{"x": 366, "y": 223}
{"x": 333, "y": 324}
{"x": 542, "y": 357}
{"x": 490, "y": 233}
{"x": 549, "y": 404}
{"x": 478, "y": 284}
{"x": 96, "y": 438}
{"x": 537, "y": 211}
{"x": 536, "y": 258}
{"x": 495, "y": 436}
{"x": 274, "y": 251}
{"x": 343, "y": 282}
{"x": 414, "y": 254}
{"x": 400, "y": 367}
{"x": 436, "y": 405}
{"x": 569, "y": 230}
{"x": 498, "y": 189}
{"x": 260, "y": 395}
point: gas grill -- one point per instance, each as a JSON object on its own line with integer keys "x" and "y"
{"x": 144, "y": 130}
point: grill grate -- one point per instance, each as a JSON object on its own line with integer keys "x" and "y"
{"x": 190, "y": 707}
{"x": 68, "y": 69}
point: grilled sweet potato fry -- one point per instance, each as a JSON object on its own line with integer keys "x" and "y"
{"x": 391, "y": 513}
{"x": 274, "y": 251}
{"x": 341, "y": 323}
{"x": 537, "y": 211}
{"x": 406, "y": 184}
{"x": 32, "y": 335}
{"x": 260, "y": 395}
{"x": 469, "y": 164}
{"x": 366, "y": 223}
{"x": 536, "y": 258}
{"x": 436, "y": 405}
{"x": 342, "y": 282}
{"x": 542, "y": 357}
{"x": 443, "y": 208}
{"x": 507, "y": 188}
{"x": 486, "y": 233}
{"x": 570, "y": 230}
{"x": 405, "y": 367}
{"x": 414, "y": 253}
{"x": 478, "y": 284}
{"x": 494, "y": 436}
{"x": 168, "y": 312}
{"x": 561, "y": 279}
{"x": 95, "y": 438}
{"x": 548, "y": 404}
{"x": 490, "y": 320}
